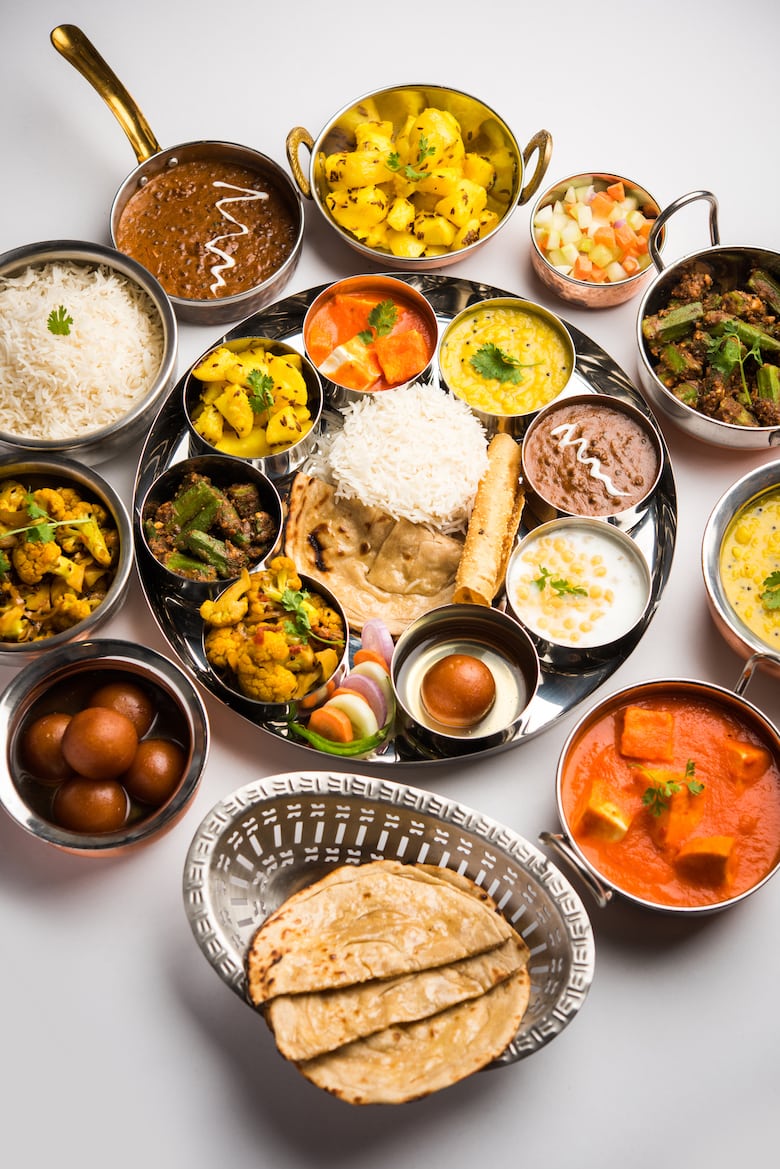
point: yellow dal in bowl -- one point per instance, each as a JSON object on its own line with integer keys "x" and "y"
{"x": 542, "y": 349}
{"x": 749, "y": 554}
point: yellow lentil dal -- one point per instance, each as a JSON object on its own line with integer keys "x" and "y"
{"x": 749, "y": 554}
{"x": 542, "y": 351}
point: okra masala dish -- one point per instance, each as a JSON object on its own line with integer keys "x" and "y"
{"x": 718, "y": 350}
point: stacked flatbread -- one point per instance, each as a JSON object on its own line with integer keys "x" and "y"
{"x": 384, "y": 982}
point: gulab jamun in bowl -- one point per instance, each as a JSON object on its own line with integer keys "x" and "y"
{"x": 105, "y": 744}
{"x": 464, "y": 676}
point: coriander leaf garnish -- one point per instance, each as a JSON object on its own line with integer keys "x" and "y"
{"x": 261, "y": 386}
{"x": 381, "y": 320}
{"x": 727, "y": 353}
{"x": 560, "y": 585}
{"x": 490, "y": 361}
{"x": 59, "y": 321}
{"x": 770, "y": 597}
{"x": 657, "y": 796}
{"x": 295, "y": 602}
{"x": 407, "y": 170}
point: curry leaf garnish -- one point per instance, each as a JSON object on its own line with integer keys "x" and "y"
{"x": 59, "y": 321}
{"x": 490, "y": 361}
{"x": 381, "y": 320}
{"x": 560, "y": 585}
{"x": 261, "y": 386}
{"x": 656, "y": 797}
{"x": 770, "y": 597}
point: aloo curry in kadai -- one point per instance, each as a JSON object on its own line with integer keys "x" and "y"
{"x": 674, "y": 800}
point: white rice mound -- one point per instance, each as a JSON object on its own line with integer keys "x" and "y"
{"x": 56, "y": 386}
{"x": 417, "y": 453}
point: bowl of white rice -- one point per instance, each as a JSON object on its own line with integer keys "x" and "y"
{"x": 88, "y": 348}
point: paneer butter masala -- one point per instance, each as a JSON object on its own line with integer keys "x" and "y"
{"x": 674, "y": 800}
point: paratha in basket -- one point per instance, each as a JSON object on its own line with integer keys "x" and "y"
{"x": 371, "y": 921}
{"x": 407, "y": 1062}
{"x": 384, "y": 981}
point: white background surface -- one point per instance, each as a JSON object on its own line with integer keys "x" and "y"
{"x": 120, "y": 1046}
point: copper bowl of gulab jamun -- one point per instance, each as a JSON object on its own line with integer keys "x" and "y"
{"x": 105, "y": 745}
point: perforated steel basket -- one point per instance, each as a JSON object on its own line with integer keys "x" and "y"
{"x": 268, "y": 839}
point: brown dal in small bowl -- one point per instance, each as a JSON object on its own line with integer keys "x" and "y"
{"x": 592, "y": 456}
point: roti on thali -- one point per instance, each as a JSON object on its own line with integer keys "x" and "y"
{"x": 385, "y": 981}
{"x": 376, "y": 565}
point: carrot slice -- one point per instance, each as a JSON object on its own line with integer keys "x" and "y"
{"x": 617, "y": 191}
{"x": 601, "y": 204}
{"x": 370, "y": 655}
{"x": 331, "y": 723}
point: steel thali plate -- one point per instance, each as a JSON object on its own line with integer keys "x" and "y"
{"x": 654, "y": 531}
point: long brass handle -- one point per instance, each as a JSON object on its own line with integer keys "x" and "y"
{"x": 75, "y": 47}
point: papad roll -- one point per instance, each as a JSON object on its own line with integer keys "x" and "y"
{"x": 498, "y": 506}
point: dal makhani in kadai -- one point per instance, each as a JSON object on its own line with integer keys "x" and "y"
{"x": 674, "y": 800}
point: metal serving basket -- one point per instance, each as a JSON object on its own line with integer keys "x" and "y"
{"x": 268, "y": 839}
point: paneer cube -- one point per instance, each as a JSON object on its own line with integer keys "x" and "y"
{"x": 706, "y": 859}
{"x": 647, "y": 734}
{"x": 679, "y": 819}
{"x": 602, "y": 816}
{"x": 746, "y": 761}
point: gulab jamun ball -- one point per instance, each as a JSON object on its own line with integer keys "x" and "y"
{"x": 129, "y": 699}
{"x": 458, "y": 690}
{"x": 88, "y": 805}
{"x": 42, "y": 748}
{"x": 99, "y": 743}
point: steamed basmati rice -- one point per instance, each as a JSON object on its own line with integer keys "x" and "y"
{"x": 56, "y": 386}
{"x": 416, "y": 452}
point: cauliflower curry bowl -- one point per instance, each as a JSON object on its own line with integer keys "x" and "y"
{"x": 257, "y": 399}
{"x": 275, "y": 640}
{"x": 66, "y": 553}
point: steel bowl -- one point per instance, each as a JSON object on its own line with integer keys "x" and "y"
{"x": 268, "y": 839}
{"x": 564, "y": 284}
{"x": 564, "y": 844}
{"x": 570, "y": 649}
{"x": 576, "y": 458}
{"x": 74, "y": 671}
{"x": 729, "y": 266}
{"x": 483, "y": 131}
{"x": 74, "y": 46}
{"x": 494, "y": 422}
{"x": 48, "y": 472}
{"x": 97, "y": 445}
{"x": 225, "y": 686}
{"x": 745, "y": 641}
{"x": 388, "y": 288}
{"x": 477, "y": 631}
{"x": 278, "y": 465}
{"x": 222, "y": 470}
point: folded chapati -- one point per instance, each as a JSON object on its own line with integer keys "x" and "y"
{"x": 377, "y": 566}
{"x": 406, "y": 1062}
{"x": 371, "y": 921}
{"x": 307, "y": 1025}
